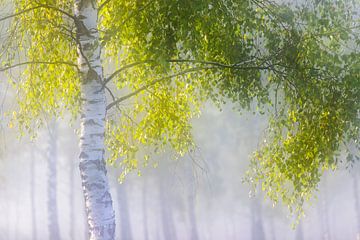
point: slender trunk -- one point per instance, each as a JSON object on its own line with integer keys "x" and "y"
{"x": 144, "y": 209}
{"x": 192, "y": 216}
{"x": 299, "y": 232}
{"x": 98, "y": 201}
{"x": 125, "y": 225}
{"x": 72, "y": 201}
{"x": 272, "y": 230}
{"x": 257, "y": 229}
{"x": 325, "y": 229}
{"x": 191, "y": 204}
{"x": 167, "y": 220}
{"x": 32, "y": 195}
{"x": 357, "y": 204}
{"x": 53, "y": 224}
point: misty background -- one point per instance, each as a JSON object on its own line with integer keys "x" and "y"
{"x": 202, "y": 197}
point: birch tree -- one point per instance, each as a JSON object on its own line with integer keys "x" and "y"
{"x": 158, "y": 61}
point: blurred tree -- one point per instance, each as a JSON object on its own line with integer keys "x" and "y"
{"x": 169, "y": 58}
{"x": 166, "y": 208}
{"x": 52, "y": 157}
{"x": 124, "y": 216}
{"x": 323, "y": 212}
{"x": 357, "y": 203}
{"x": 144, "y": 210}
{"x": 32, "y": 196}
{"x": 299, "y": 235}
{"x": 191, "y": 200}
{"x": 257, "y": 227}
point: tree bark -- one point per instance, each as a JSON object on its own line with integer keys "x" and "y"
{"x": 53, "y": 224}
{"x": 98, "y": 201}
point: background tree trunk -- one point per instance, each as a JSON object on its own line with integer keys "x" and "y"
{"x": 124, "y": 216}
{"x": 299, "y": 231}
{"x": 191, "y": 203}
{"x": 98, "y": 201}
{"x": 167, "y": 221}
{"x": 32, "y": 195}
{"x": 72, "y": 200}
{"x": 357, "y": 203}
{"x": 144, "y": 210}
{"x": 324, "y": 213}
{"x": 272, "y": 229}
{"x": 52, "y": 157}
{"x": 257, "y": 229}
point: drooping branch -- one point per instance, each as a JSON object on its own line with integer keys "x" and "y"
{"x": 7, "y": 67}
{"x": 108, "y": 79}
{"x": 103, "y": 5}
{"x": 36, "y": 7}
{"x": 153, "y": 83}
{"x": 217, "y": 64}
{"x": 208, "y": 65}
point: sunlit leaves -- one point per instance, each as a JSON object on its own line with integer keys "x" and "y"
{"x": 300, "y": 63}
{"x": 317, "y": 112}
{"x": 49, "y": 83}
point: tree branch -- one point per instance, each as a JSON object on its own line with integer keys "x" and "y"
{"x": 103, "y": 5}
{"x": 36, "y": 7}
{"x": 38, "y": 62}
{"x": 218, "y": 64}
{"x": 19, "y": 13}
{"x": 108, "y": 79}
{"x": 154, "y": 82}
{"x": 237, "y": 66}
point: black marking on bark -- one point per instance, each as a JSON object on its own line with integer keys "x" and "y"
{"x": 105, "y": 199}
{"x": 81, "y": 17}
{"x": 84, "y": 3}
{"x": 98, "y": 165}
{"x": 94, "y": 101}
{"x": 83, "y": 155}
{"x": 81, "y": 29}
{"x": 92, "y": 75}
{"x": 87, "y": 46}
{"x": 91, "y": 122}
{"x": 97, "y": 135}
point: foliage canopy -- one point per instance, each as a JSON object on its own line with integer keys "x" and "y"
{"x": 166, "y": 58}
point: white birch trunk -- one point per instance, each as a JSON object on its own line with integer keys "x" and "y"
{"x": 98, "y": 202}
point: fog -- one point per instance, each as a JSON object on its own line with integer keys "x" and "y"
{"x": 202, "y": 197}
